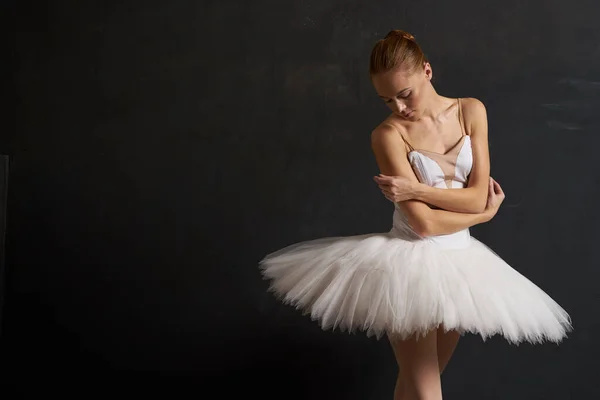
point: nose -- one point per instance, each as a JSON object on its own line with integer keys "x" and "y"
{"x": 399, "y": 106}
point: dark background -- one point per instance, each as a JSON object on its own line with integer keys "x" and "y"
{"x": 163, "y": 148}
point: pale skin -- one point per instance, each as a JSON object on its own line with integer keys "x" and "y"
{"x": 429, "y": 121}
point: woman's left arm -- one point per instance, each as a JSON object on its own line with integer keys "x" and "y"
{"x": 471, "y": 199}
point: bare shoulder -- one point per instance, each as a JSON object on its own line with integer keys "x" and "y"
{"x": 475, "y": 114}
{"x": 390, "y": 151}
{"x": 384, "y": 135}
{"x": 473, "y": 108}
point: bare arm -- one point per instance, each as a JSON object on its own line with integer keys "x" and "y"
{"x": 390, "y": 153}
{"x": 471, "y": 199}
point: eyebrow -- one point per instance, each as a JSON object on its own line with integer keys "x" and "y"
{"x": 397, "y": 94}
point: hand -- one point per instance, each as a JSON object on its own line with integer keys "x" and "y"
{"x": 495, "y": 198}
{"x": 395, "y": 188}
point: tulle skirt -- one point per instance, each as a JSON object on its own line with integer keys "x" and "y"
{"x": 382, "y": 284}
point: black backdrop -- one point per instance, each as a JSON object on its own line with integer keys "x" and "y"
{"x": 4, "y": 167}
{"x": 162, "y": 148}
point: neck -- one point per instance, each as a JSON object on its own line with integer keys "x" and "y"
{"x": 436, "y": 104}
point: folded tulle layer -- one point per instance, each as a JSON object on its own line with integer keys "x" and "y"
{"x": 383, "y": 284}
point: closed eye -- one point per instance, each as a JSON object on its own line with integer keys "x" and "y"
{"x": 400, "y": 97}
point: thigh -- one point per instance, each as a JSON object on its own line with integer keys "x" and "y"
{"x": 446, "y": 343}
{"x": 418, "y": 362}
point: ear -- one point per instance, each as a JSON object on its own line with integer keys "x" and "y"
{"x": 428, "y": 71}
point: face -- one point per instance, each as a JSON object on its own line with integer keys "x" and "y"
{"x": 405, "y": 94}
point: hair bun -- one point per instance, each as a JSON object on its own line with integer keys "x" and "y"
{"x": 398, "y": 50}
{"x": 400, "y": 33}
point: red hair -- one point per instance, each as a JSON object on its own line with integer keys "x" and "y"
{"x": 398, "y": 49}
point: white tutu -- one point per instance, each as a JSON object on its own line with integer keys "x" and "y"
{"x": 402, "y": 284}
{"x": 381, "y": 283}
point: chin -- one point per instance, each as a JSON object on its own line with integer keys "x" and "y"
{"x": 411, "y": 117}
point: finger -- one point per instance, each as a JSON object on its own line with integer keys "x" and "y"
{"x": 497, "y": 188}
{"x": 382, "y": 179}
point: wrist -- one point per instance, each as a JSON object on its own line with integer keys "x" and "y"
{"x": 419, "y": 191}
{"x": 486, "y": 216}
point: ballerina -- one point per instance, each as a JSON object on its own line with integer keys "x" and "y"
{"x": 427, "y": 281}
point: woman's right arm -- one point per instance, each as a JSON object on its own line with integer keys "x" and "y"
{"x": 390, "y": 154}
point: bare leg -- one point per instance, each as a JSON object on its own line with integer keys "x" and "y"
{"x": 401, "y": 391}
{"x": 419, "y": 376}
{"x": 446, "y": 343}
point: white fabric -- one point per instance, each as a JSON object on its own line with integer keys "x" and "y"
{"x": 399, "y": 283}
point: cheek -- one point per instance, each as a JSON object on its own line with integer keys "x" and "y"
{"x": 414, "y": 102}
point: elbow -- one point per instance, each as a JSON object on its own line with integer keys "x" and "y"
{"x": 479, "y": 207}
{"x": 422, "y": 227}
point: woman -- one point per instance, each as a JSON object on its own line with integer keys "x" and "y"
{"x": 426, "y": 281}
